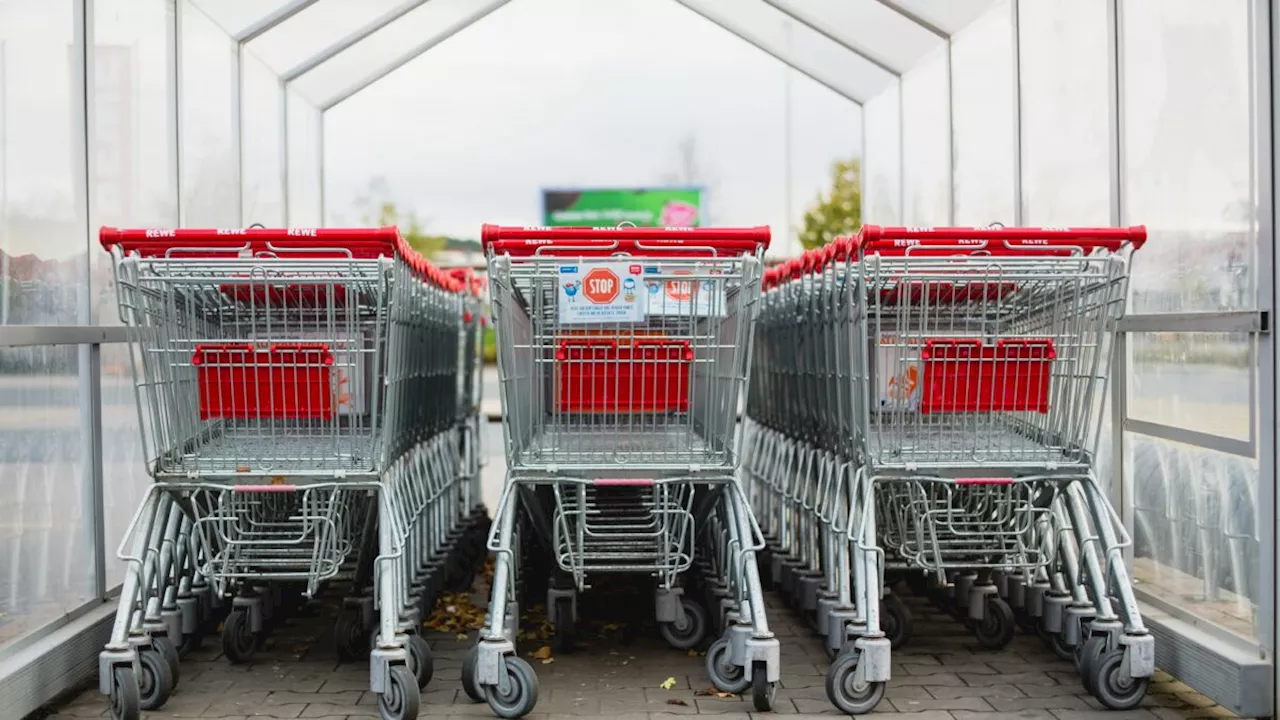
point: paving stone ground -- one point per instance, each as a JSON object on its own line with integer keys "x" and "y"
{"x": 619, "y": 673}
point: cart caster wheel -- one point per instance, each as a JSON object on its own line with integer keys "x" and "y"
{"x": 516, "y": 696}
{"x": 420, "y": 661}
{"x": 190, "y": 643}
{"x": 1057, "y": 642}
{"x": 400, "y": 701}
{"x": 238, "y": 642}
{"x": 1112, "y": 686}
{"x": 895, "y": 621}
{"x": 169, "y": 652}
{"x": 155, "y": 683}
{"x": 349, "y": 637}
{"x": 469, "y": 684}
{"x": 1087, "y": 656}
{"x": 763, "y": 692}
{"x": 995, "y": 630}
{"x": 1029, "y": 623}
{"x": 565, "y": 631}
{"x": 125, "y": 701}
{"x": 726, "y": 676}
{"x": 688, "y": 631}
{"x": 846, "y": 692}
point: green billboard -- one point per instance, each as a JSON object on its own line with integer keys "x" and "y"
{"x": 657, "y": 207}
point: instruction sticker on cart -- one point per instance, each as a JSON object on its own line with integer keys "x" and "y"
{"x": 608, "y": 292}
{"x": 669, "y": 293}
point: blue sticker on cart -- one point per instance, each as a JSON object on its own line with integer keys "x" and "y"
{"x": 603, "y": 292}
{"x": 651, "y": 270}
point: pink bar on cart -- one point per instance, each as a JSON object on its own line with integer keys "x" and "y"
{"x": 984, "y": 481}
{"x": 265, "y": 488}
{"x": 624, "y": 482}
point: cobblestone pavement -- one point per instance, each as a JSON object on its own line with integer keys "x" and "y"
{"x": 620, "y": 669}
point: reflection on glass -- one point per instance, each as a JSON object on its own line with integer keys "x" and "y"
{"x": 982, "y": 103}
{"x": 45, "y": 557}
{"x": 135, "y": 181}
{"x": 210, "y": 158}
{"x": 1065, "y": 112}
{"x": 882, "y": 159}
{"x": 42, "y": 242}
{"x": 1195, "y": 533}
{"x": 1197, "y": 381}
{"x": 926, "y": 144}
{"x": 1188, "y": 153}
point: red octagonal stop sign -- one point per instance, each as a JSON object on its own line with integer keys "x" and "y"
{"x": 600, "y": 285}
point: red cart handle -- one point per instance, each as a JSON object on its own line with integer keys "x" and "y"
{"x": 1020, "y": 241}
{"x": 311, "y": 243}
{"x": 593, "y": 241}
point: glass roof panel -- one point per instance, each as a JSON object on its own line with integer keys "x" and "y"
{"x": 313, "y": 29}
{"x": 236, "y": 16}
{"x": 372, "y": 55}
{"x": 868, "y": 26}
{"x": 950, "y": 16}
{"x": 803, "y": 48}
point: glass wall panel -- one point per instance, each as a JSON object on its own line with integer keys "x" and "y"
{"x": 882, "y": 173}
{"x": 305, "y": 181}
{"x": 45, "y": 554}
{"x": 1195, "y": 529}
{"x": 134, "y": 134}
{"x": 1188, "y": 153}
{"x": 210, "y": 152}
{"x": 926, "y": 143}
{"x": 1198, "y": 381}
{"x": 314, "y": 28}
{"x": 982, "y": 79}
{"x": 124, "y": 470}
{"x": 870, "y": 26}
{"x": 42, "y": 240}
{"x": 262, "y": 135}
{"x": 1065, "y": 112}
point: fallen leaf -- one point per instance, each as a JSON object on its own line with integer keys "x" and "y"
{"x": 543, "y": 653}
{"x": 668, "y": 683}
{"x": 692, "y": 653}
{"x": 713, "y": 692}
{"x": 462, "y": 637}
{"x": 548, "y": 661}
{"x": 677, "y": 701}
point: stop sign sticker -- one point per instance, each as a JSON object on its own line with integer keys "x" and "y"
{"x": 681, "y": 290}
{"x": 601, "y": 285}
{"x": 601, "y": 292}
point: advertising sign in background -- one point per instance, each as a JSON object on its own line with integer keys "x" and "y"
{"x": 657, "y": 207}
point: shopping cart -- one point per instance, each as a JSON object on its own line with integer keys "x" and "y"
{"x": 622, "y": 355}
{"x": 299, "y": 397}
{"x": 925, "y": 405}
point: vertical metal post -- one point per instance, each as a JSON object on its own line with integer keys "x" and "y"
{"x": 951, "y": 138}
{"x": 4, "y": 192}
{"x": 1121, "y": 490}
{"x": 237, "y": 130}
{"x": 322, "y": 220}
{"x": 1015, "y": 20}
{"x": 284, "y": 149}
{"x": 171, "y": 100}
{"x": 179, "y": 95}
{"x": 902, "y": 153}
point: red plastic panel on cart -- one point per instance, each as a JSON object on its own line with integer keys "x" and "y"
{"x": 287, "y": 380}
{"x": 297, "y": 295}
{"x": 964, "y": 375}
{"x": 640, "y": 375}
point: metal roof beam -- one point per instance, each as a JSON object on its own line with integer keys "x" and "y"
{"x": 915, "y": 18}
{"x": 859, "y": 50}
{"x": 265, "y": 23}
{"x": 412, "y": 53}
{"x": 780, "y": 56}
{"x": 350, "y": 39}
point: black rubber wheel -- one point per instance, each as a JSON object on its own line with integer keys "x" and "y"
{"x": 469, "y": 684}
{"x": 155, "y": 682}
{"x": 349, "y": 638}
{"x": 420, "y": 660}
{"x": 164, "y": 645}
{"x": 125, "y": 703}
{"x": 1028, "y": 623}
{"x": 401, "y": 698}
{"x": 686, "y": 633}
{"x": 1058, "y": 644}
{"x": 190, "y": 643}
{"x": 996, "y": 628}
{"x": 895, "y": 621}
{"x": 1088, "y": 654}
{"x": 518, "y": 695}
{"x": 563, "y": 622}
{"x": 238, "y": 642}
{"x": 845, "y": 692}
{"x": 726, "y": 676}
{"x": 1113, "y": 687}
{"x": 763, "y": 692}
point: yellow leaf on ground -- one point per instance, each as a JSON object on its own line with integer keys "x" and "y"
{"x": 668, "y": 683}
{"x": 543, "y": 653}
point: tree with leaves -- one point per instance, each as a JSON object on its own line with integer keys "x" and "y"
{"x": 838, "y": 211}
{"x": 379, "y": 209}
